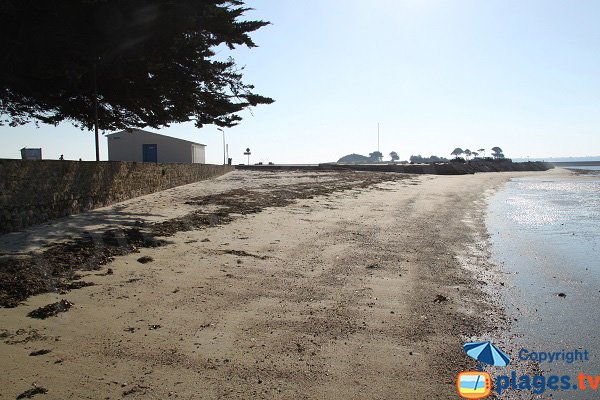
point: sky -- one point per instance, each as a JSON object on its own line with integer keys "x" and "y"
{"x": 523, "y": 75}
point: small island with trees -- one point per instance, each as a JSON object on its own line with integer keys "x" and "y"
{"x": 462, "y": 162}
{"x": 469, "y": 156}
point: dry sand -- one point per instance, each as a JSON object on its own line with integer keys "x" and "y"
{"x": 362, "y": 293}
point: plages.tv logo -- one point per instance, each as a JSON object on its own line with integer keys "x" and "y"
{"x": 474, "y": 384}
{"x": 478, "y": 384}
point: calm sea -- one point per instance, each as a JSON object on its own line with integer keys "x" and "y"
{"x": 593, "y": 168}
{"x": 545, "y": 231}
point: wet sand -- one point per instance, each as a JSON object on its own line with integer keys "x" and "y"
{"x": 364, "y": 290}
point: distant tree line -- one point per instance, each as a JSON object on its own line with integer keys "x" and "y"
{"x": 431, "y": 159}
{"x": 374, "y": 157}
{"x": 497, "y": 153}
{"x": 377, "y": 156}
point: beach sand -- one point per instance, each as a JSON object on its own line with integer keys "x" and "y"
{"x": 363, "y": 293}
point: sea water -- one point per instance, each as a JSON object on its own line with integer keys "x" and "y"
{"x": 545, "y": 231}
{"x": 591, "y": 168}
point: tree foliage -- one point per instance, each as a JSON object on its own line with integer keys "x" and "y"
{"x": 394, "y": 156}
{"x": 148, "y": 62}
{"x": 376, "y": 156}
{"x": 497, "y": 152}
{"x": 418, "y": 159}
{"x": 457, "y": 152}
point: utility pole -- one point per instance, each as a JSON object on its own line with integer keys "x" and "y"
{"x": 378, "y": 136}
{"x": 96, "y": 110}
{"x": 223, "y": 132}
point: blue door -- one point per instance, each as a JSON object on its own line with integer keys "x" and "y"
{"x": 150, "y": 153}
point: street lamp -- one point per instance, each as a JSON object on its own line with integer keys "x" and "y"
{"x": 223, "y": 132}
{"x": 247, "y": 153}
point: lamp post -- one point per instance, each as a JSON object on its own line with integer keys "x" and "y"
{"x": 223, "y": 132}
{"x": 247, "y": 153}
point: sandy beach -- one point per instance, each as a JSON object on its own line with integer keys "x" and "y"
{"x": 312, "y": 285}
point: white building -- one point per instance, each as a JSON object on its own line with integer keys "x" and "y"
{"x": 143, "y": 146}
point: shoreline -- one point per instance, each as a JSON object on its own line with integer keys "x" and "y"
{"x": 547, "y": 245}
{"x": 359, "y": 292}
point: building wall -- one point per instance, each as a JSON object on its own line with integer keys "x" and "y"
{"x": 128, "y": 146}
{"x": 33, "y": 192}
{"x": 198, "y": 155}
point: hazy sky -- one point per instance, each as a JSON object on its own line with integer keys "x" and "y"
{"x": 522, "y": 75}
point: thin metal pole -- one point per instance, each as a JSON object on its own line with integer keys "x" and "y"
{"x": 96, "y": 111}
{"x": 223, "y": 132}
{"x": 378, "y": 136}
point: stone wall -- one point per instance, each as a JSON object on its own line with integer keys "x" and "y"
{"x": 32, "y": 192}
{"x": 435, "y": 169}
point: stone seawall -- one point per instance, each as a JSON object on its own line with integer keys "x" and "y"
{"x": 435, "y": 169}
{"x": 33, "y": 192}
{"x": 456, "y": 168}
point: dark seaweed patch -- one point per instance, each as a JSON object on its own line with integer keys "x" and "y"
{"x": 51, "y": 310}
